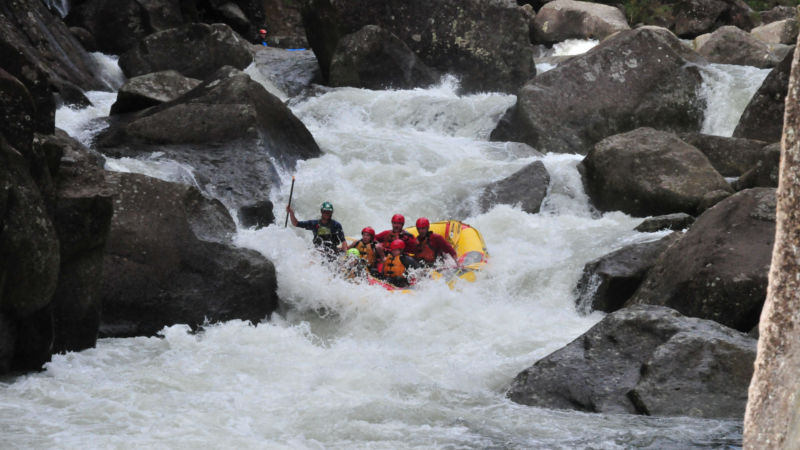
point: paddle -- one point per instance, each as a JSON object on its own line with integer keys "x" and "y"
{"x": 291, "y": 191}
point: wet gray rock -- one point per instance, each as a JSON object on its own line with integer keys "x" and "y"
{"x": 648, "y": 172}
{"x": 675, "y": 222}
{"x": 290, "y": 71}
{"x": 151, "y": 89}
{"x": 374, "y": 58}
{"x": 645, "y": 360}
{"x": 569, "y": 19}
{"x": 169, "y": 261}
{"x": 526, "y": 187}
{"x": 718, "y": 270}
{"x": 762, "y": 119}
{"x": 731, "y": 45}
{"x": 598, "y": 94}
{"x": 257, "y": 215}
{"x": 780, "y": 32}
{"x": 195, "y": 50}
{"x": 609, "y": 281}
{"x": 731, "y": 157}
{"x": 764, "y": 172}
{"x": 451, "y": 36}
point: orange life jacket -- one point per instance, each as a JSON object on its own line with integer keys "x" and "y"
{"x": 367, "y": 251}
{"x": 393, "y": 267}
{"x": 424, "y": 250}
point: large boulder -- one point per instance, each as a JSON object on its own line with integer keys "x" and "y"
{"x": 764, "y": 172}
{"x": 718, "y": 270}
{"x": 645, "y": 360}
{"x": 228, "y": 124}
{"x": 374, "y": 58}
{"x": 609, "y": 281}
{"x": 648, "y": 172}
{"x": 762, "y": 119}
{"x": 598, "y": 94}
{"x": 526, "y": 187}
{"x": 780, "y": 32}
{"x": 778, "y": 13}
{"x": 731, "y": 45}
{"x": 570, "y": 19}
{"x": 291, "y": 72}
{"x": 151, "y": 89}
{"x": 117, "y": 25}
{"x": 452, "y": 36}
{"x": 731, "y": 157}
{"x": 696, "y": 17}
{"x": 169, "y": 260}
{"x": 195, "y": 50}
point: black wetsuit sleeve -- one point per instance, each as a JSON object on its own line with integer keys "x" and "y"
{"x": 410, "y": 262}
{"x": 306, "y": 224}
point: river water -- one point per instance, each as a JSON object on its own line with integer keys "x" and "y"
{"x": 348, "y": 366}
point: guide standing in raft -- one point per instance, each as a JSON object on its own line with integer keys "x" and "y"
{"x": 328, "y": 233}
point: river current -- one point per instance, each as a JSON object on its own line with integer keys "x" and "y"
{"x": 349, "y": 366}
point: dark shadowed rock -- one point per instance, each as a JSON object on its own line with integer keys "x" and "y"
{"x": 780, "y": 32}
{"x": 763, "y": 117}
{"x": 778, "y": 13}
{"x": 169, "y": 260}
{"x": 696, "y": 17}
{"x": 764, "y": 172}
{"x": 731, "y": 45}
{"x": 718, "y": 271}
{"x": 609, "y": 281}
{"x": 731, "y": 157}
{"x": 195, "y": 50}
{"x": 34, "y": 345}
{"x": 258, "y": 215}
{"x": 569, "y": 19}
{"x": 117, "y": 25}
{"x": 374, "y": 58}
{"x": 151, "y": 89}
{"x": 8, "y": 341}
{"x": 452, "y": 36}
{"x": 527, "y": 187}
{"x": 675, "y": 222}
{"x": 645, "y": 360}
{"x": 598, "y": 94}
{"x": 85, "y": 38}
{"x": 648, "y": 172}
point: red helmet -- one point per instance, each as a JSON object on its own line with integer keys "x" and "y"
{"x": 398, "y": 218}
{"x": 369, "y": 231}
{"x": 398, "y": 244}
{"x": 423, "y": 223}
{"x": 262, "y": 31}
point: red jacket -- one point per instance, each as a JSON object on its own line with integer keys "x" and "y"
{"x": 386, "y": 238}
{"x": 432, "y": 246}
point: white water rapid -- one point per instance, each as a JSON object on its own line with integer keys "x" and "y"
{"x": 349, "y": 366}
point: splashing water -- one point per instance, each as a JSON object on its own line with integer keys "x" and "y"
{"x": 727, "y": 89}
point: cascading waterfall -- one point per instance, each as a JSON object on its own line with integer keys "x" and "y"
{"x": 351, "y": 366}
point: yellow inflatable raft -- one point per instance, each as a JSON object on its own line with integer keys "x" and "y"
{"x": 469, "y": 246}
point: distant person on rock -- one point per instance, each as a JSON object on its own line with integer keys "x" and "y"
{"x": 431, "y": 246}
{"x": 262, "y": 33}
{"x": 396, "y": 264}
{"x": 385, "y": 238}
{"x": 368, "y": 249}
{"x": 328, "y": 233}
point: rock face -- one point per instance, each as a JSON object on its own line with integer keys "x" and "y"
{"x": 763, "y": 117}
{"x": 609, "y": 281}
{"x": 195, "y": 50}
{"x": 718, "y": 270}
{"x": 526, "y": 187}
{"x": 169, "y": 261}
{"x": 374, "y": 58}
{"x": 569, "y": 19}
{"x": 152, "y": 89}
{"x": 731, "y": 45}
{"x": 764, "y": 172}
{"x": 780, "y": 32}
{"x": 291, "y": 72}
{"x": 675, "y": 222}
{"x": 595, "y": 95}
{"x": 645, "y": 360}
{"x": 731, "y": 157}
{"x": 696, "y": 17}
{"x": 648, "y": 172}
{"x": 257, "y": 131}
{"x": 451, "y": 36}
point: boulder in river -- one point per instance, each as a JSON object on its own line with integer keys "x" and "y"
{"x": 373, "y": 58}
{"x": 645, "y": 360}
{"x": 291, "y": 72}
{"x": 560, "y": 20}
{"x": 648, "y": 172}
{"x": 695, "y": 17}
{"x": 196, "y": 50}
{"x": 731, "y": 45}
{"x": 169, "y": 260}
{"x": 762, "y": 119}
{"x": 730, "y": 156}
{"x": 780, "y": 32}
{"x": 598, "y": 94}
{"x": 675, "y": 222}
{"x": 151, "y": 89}
{"x": 526, "y": 187}
{"x": 718, "y": 270}
{"x": 764, "y": 172}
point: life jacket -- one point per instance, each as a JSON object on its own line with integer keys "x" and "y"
{"x": 424, "y": 250}
{"x": 367, "y": 251}
{"x": 393, "y": 267}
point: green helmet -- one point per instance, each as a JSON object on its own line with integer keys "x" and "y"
{"x": 326, "y": 206}
{"x": 354, "y": 252}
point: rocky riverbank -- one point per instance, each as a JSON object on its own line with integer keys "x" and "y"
{"x": 86, "y": 252}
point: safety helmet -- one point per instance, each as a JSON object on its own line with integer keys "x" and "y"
{"x": 326, "y": 206}
{"x": 398, "y": 244}
{"x": 423, "y": 223}
{"x": 262, "y": 31}
{"x": 368, "y": 230}
{"x": 398, "y": 218}
{"x": 354, "y": 252}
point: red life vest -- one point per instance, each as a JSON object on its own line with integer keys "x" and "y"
{"x": 424, "y": 250}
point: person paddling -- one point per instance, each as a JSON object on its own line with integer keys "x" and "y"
{"x": 328, "y": 233}
{"x": 431, "y": 246}
{"x": 385, "y": 238}
{"x": 396, "y": 264}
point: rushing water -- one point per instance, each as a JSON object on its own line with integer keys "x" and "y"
{"x": 350, "y": 366}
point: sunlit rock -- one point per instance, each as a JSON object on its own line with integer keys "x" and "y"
{"x": 151, "y": 89}
{"x": 569, "y": 19}
{"x": 731, "y": 45}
